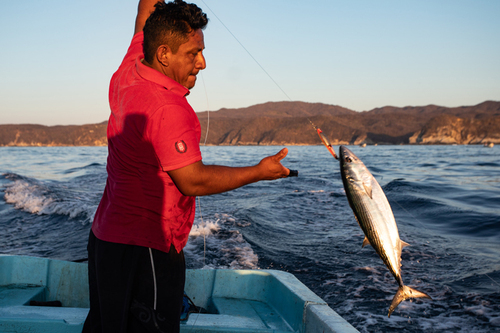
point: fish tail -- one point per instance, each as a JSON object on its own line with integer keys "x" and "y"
{"x": 405, "y": 292}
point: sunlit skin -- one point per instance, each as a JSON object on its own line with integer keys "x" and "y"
{"x": 183, "y": 65}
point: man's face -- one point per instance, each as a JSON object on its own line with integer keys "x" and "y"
{"x": 188, "y": 60}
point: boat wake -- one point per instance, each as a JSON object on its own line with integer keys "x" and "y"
{"x": 49, "y": 198}
{"x": 216, "y": 243}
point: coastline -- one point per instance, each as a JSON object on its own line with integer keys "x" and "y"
{"x": 289, "y": 123}
{"x": 488, "y": 144}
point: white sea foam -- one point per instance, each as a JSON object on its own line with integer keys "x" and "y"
{"x": 37, "y": 198}
{"x": 30, "y": 197}
{"x": 204, "y": 228}
{"x": 216, "y": 243}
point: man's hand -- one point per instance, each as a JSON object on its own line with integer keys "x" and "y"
{"x": 271, "y": 167}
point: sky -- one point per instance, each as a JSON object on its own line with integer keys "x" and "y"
{"x": 57, "y": 57}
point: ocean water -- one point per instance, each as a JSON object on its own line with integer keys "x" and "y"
{"x": 446, "y": 200}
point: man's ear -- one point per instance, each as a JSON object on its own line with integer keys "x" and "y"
{"x": 163, "y": 54}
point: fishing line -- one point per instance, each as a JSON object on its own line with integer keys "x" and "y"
{"x": 248, "y": 52}
{"x": 204, "y": 144}
{"x": 208, "y": 109}
{"x": 323, "y": 138}
{"x": 410, "y": 214}
{"x": 498, "y": 284}
{"x": 204, "y": 238}
{"x": 199, "y": 200}
{"x": 321, "y": 135}
{"x": 208, "y": 118}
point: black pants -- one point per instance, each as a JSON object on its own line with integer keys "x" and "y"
{"x": 125, "y": 296}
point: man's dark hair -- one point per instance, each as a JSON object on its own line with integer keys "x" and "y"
{"x": 170, "y": 24}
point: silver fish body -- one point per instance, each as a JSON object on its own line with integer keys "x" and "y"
{"x": 375, "y": 217}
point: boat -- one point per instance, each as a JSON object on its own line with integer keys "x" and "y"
{"x": 47, "y": 295}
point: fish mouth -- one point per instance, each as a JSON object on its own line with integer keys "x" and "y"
{"x": 346, "y": 155}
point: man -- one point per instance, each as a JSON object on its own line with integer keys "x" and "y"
{"x": 155, "y": 170}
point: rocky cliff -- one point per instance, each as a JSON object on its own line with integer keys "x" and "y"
{"x": 446, "y": 129}
{"x": 289, "y": 123}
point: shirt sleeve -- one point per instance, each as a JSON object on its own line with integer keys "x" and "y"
{"x": 135, "y": 49}
{"x": 174, "y": 137}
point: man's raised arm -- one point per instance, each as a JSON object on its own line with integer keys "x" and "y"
{"x": 146, "y": 7}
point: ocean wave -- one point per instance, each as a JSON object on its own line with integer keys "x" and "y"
{"x": 446, "y": 207}
{"x": 83, "y": 168}
{"x": 488, "y": 164}
{"x": 28, "y": 196}
{"x": 398, "y": 185}
{"x": 46, "y": 198}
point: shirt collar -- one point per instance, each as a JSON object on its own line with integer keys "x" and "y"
{"x": 153, "y": 75}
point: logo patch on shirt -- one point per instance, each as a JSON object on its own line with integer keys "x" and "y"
{"x": 181, "y": 147}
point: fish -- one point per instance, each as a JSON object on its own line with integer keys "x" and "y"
{"x": 374, "y": 215}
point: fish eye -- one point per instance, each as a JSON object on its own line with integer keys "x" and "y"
{"x": 348, "y": 159}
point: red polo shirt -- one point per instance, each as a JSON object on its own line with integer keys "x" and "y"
{"x": 152, "y": 129}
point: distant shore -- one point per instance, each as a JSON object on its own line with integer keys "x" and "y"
{"x": 289, "y": 123}
{"x": 487, "y": 145}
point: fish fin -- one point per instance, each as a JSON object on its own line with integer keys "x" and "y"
{"x": 403, "y": 243}
{"x": 368, "y": 189}
{"x": 365, "y": 242}
{"x": 403, "y": 293}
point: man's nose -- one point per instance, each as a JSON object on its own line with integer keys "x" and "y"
{"x": 200, "y": 62}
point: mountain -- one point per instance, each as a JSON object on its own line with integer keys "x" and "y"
{"x": 39, "y": 135}
{"x": 279, "y": 123}
{"x": 289, "y": 123}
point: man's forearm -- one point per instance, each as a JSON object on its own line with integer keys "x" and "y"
{"x": 198, "y": 179}
{"x": 213, "y": 179}
{"x": 145, "y": 8}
